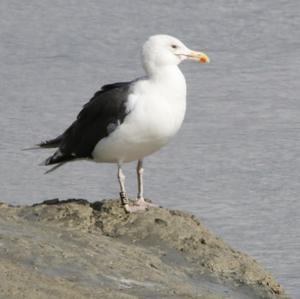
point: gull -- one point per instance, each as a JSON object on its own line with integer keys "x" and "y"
{"x": 127, "y": 121}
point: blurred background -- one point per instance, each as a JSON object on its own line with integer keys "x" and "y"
{"x": 235, "y": 163}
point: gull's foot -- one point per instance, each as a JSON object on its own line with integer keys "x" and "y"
{"x": 142, "y": 202}
{"x": 139, "y": 205}
{"x": 131, "y": 208}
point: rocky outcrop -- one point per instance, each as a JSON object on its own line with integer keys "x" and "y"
{"x": 76, "y": 249}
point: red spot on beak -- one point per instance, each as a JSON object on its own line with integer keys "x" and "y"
{"x": 203, "y": 59}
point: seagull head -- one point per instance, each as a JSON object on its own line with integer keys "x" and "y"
{"x": 163, "y": 50}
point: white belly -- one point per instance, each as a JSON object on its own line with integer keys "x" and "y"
{"x": 142, "y": 133}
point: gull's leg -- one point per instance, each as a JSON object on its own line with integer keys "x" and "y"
{"x": 140, "y": 204}
{"x": 123, "y": 194}
{"x": 140, "y": 172}
{"x": 140, "y": 201}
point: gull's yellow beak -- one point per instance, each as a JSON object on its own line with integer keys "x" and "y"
{"x": 198, "y": 56}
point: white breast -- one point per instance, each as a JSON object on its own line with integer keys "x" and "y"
{"x": 156, "y": 111}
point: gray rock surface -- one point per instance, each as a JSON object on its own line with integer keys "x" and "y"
{"x": 76, "y": 249}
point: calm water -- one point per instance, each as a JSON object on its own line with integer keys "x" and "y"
{"x": 236, "y": 161}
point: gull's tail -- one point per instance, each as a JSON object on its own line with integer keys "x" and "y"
{"x": 57, "y": 158}
{"x": 52, "y": 143}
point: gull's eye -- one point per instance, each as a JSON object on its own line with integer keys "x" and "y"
{"x": 174, "y": 46}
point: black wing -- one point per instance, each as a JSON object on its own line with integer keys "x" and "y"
{"x": 107, "y": 106}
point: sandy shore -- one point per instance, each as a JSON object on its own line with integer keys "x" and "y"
{"x": 76, "y": 249}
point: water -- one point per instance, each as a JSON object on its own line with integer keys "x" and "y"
{"x": 235, "y": 163}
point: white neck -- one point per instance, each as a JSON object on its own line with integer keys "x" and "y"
{"x": 169, "y": 77}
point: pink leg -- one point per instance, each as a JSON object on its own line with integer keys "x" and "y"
{"x": 140, "y": 204}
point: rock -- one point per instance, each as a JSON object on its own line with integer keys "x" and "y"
{"x": 76, "y": 249}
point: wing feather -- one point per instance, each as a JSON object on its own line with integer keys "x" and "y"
{"x": 106, "y": 107}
